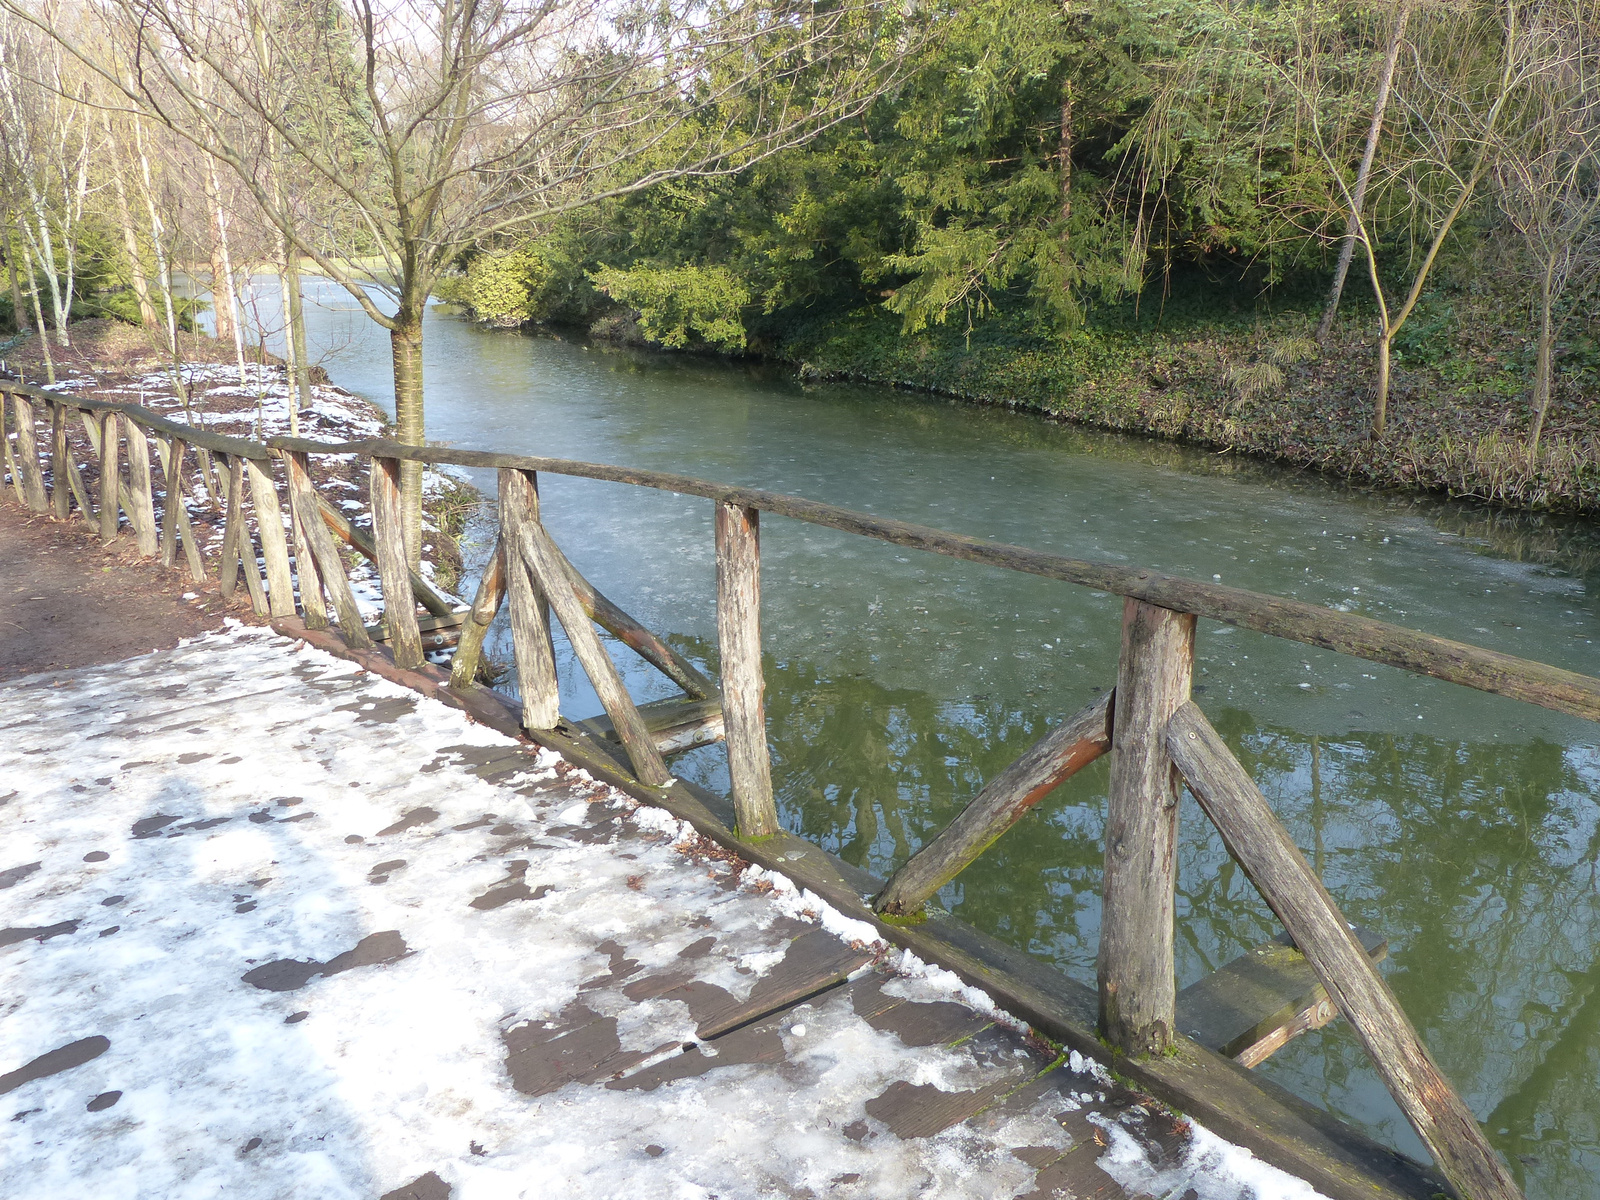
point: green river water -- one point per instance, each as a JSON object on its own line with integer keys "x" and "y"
{"x": 1464, "y": 827}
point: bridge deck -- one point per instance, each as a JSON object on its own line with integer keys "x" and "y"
{"x": 276, "y": 927}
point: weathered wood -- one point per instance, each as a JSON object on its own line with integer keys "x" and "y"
{"x": 1250, "y": 1008}
{"x": 1004, "y": 801}
{"x": 485, "y": 604}
{"x": 738, "y": 534}
{"x": 1292, "y": 620}
{"x": 674, "y": 724}
{"x": 80, "y": 493}
{"x": 6, "y": 421}
{"x": 144, "y": 417}
{"x": 110, "y": 475}
{"x": 307, "y": 516}
{"x": 1237, "y": 1104}
{"x": 142, "y": 509}
{"x": 175, "y": 514}
{"x": 435, "y": 601}
{"x": 1262, "y": 847}
{"x": 529, "y": 610}
{"x": 545, "y": 565}
{"x": 399, "y": 604}
{"x": 1138, "y": 987}
{"x": 437, "y": 632}
{"x": 60, "y": 457}
{"x": 27, "y": 456}
{"x": 312, "y": 602}
{"x": 228, "y": 568}
{"x": 237, "y": 535}
{"x": 274, "y": 546}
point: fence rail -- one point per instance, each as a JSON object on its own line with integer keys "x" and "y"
{"x": 1157, "y": 738}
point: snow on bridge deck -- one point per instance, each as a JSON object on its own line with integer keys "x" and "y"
{"x": 271, "y": 926}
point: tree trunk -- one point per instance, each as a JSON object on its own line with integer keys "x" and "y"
{"x": 1064, "y": 158}
{"x": 221, "y": 276}
{"x": 130, "y": 239}
{"x": 1374, "y": 131}
{"x": 18, "y": 317}
{"x": 405, "y": 342}
{"x": 296, "y": 333}
{"x": 38, "y": 318}
{"x": 1547, "y": 337}
{"x": 1380, "y": 408}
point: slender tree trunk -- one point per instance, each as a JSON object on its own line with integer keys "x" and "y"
{"x": 38, "y": 319}
{"x": 130, "y": 239}
{"x": 405, "y": 340}
{"x": 47, "y": 256}
{"x": 18, "y": 315}
{"x": 1544, "y": 367}
{"x": 1380, "y": 106}
{"x": 1380, "y": 408}
{"x": 300, "y": 361}
{"x": 221, "y": 276}
{"x": 163, "y": 271}
{"x": 1064, "y": 158}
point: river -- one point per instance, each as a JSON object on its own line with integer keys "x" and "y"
{"x": 1464, "y": 827}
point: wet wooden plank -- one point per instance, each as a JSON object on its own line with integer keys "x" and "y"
{"x": 1247, "y": 1008}
{"x": 676, "y": 724}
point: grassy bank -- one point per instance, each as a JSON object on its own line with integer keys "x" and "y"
{"x": 1257, "y": 383}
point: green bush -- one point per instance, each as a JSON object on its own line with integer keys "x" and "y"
{"x": 680, "y": 304}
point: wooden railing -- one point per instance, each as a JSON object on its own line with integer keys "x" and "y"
{"x": 1157, "y": 738}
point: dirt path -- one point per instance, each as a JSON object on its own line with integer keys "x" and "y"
{"x": 67, "y": 601}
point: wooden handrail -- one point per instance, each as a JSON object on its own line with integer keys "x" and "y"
{"x": 1292, "y": 620}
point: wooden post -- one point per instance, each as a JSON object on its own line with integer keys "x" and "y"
{"x": 5, "y": 441}
{"x": 274, "y": 546}
{"x": 238, "y": 532}
{"x": 1004, "y": 801}
{"x": 530, "y": 614}
{"x": 432, "y": 599}
{"x": 1261, "y": 845}
{"x": 228, "y": 568}
{"x": 399, "y": 604}
{"x": 545, "y": 564}
{"x": 308, "y": 523}
{"x": 110, "y": 476}
{"x": 312, "y": 602}
{"x": 175, "y": 524}
{"x": 142, "y": 512}
{"x": 28, "y": 456}
{"x": 1138, "y": 984}
{"x": 80, "y": 493}
{"x": 738, "y": 533}
{"x": 60, "y": 463}
{"x": 485, "y": 604}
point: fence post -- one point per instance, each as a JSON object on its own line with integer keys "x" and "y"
{"x": 110, "y": 476}
{"x": 274, "y": 546}
{"x": 309, "y": 525}
{"x": 28, "y": 455}
{"x": 491, "y": 592}
{"x": 1138, "y": 986}
{"x": 738, "y": 532}
{"x": 399, "y": 605}
{"x": 142, "y": 512}
{"x": 60, "y": 465}
{"x": 530, "y": 613}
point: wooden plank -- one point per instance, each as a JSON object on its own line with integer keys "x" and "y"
{"x": 27, "y": 456}
{"x": 738, "y": 534}
{"x": 141, "y": 510}
{"x": 303, "y": 499}
{"x": 175, "y": 514}
{"x": 274, "y": 546}
{"x": 435, "y": 601}
{"x": 80, "y": 493}
{"x": 60, "y": 458}
{"x": 110, "y": 472}
{"x": 149, "y": 420}
{"x": 675, "y": 724}
{"x": 529, "y": 608}
{"x": 1292, "y": 620}
{"x": 539, "y": 553}
{"x": 1004, "y": 801}
{"x": 1138, "y": 986}
{"x": 1253, "y": 1006}
{"x": 1262, "y": 847}
{"x": 1235, "y": 1103}
{"x": 233, "y": 519}
{"x": 243, "y": 545}
{"x": 399, "y": 604}
{"x": 485, "y": 604}
{"x": 312, "y": 602}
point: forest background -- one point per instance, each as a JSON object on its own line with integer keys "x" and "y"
{"x": 1361, "y": 237}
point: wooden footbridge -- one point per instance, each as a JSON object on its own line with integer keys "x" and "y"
{"x": 1194, "y": 1050}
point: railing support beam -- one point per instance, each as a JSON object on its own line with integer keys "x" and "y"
{"x": 1138, "y": 985}
{"x": 530, "y": 612}
{"x": 738, "y": 532}
{"x": 399, "y": 604}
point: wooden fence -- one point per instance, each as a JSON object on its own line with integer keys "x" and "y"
{"x": 1157, "y": 738}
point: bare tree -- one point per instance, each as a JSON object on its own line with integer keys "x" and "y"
{"x": 1548, "y": 177}
{"x": 421, "y": 128}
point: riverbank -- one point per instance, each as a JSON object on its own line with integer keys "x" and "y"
{"x": 110, "y": 360}
{"x": 1458, "y": 424}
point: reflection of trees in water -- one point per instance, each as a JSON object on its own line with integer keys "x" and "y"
{"x": 1478, "y": 861}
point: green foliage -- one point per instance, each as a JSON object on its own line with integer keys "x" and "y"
{"x": 680, "y": 305}
{"x": 503, "y": 289}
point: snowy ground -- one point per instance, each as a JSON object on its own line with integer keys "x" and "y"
{"x": 275, "y": 927}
